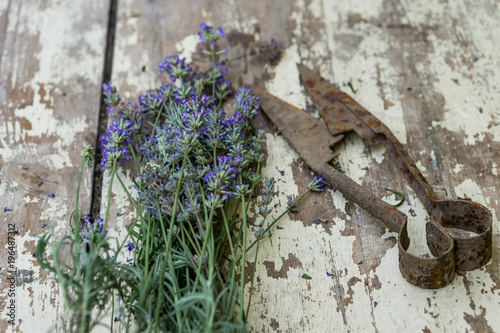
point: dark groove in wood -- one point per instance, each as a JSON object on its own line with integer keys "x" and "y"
{"x": 102, "y": 122}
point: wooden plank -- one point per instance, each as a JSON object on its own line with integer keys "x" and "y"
{"x": 51, "y": 62}
{"x": 405, "y": 50}
{"x": 377, "y": 52}
{"x": 382, "y": 48}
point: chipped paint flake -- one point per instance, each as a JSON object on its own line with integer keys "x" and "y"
{"x": 187, "y": 47}
{"x": 458, "y": 168}
{"x": 286, "y": 83}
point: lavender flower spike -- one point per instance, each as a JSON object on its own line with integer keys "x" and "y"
{"x": 317, "y": 184}
{"x": 207, "y": 35}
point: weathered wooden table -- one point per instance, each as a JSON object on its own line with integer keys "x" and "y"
{"x": 429, "y": 69}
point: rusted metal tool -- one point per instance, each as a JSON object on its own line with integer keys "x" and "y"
{"x": 313, "y": 140}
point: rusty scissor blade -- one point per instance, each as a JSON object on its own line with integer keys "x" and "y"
{"x": 312, "y": 139}
{"x": 340, "y": 112}
{"x": 343, "y": 114}
{"x": 302, "y": 130}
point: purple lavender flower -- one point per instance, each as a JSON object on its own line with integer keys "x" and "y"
{"x": 208, "y": 36}
{"x": 112, "y": 99}
{"x": 292, "y": 205}
{"x": 221, "y": 32}
{"x": 89, "y": 228}
{"x": 317, "y": 184}
{"x": 246, "y": 104}
{"x": 175, "y": 67}
{"x": 115, "y": 142}
{"x": 271, "y": 51}
{"x": 150, "y": 103}
{"x": 259, "y": 234}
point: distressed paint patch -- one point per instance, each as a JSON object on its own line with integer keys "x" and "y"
{"x": 48, "y": 47}
{"x": 422, "y": 168}
{"x": 286, "y": 263}
{"x": 286, "y": 83}
{"x": 464, "y": 63}
{"x": 458, "y": 167}
{"x": 187, "y": 46}
{"x": 367, "y": 60}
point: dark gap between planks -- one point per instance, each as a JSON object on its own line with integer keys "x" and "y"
{"x": 102, "y": 119}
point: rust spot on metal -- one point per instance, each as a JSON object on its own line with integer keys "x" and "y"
{"x": 310, "y": 83}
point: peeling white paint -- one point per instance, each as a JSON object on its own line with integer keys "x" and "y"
{"x": 286, "y": 83}
{"x": 187, "y": 47}
{"x": 458, "y": 168}
{"x": 309, "y": 300}
{"x": 422, "y": 168}
{"x": 378, "y": 153}
{"x": 463, "y": 68}
{"x": 368, "y": 62}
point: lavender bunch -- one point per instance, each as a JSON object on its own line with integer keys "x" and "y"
{"x": 198, "y": 168}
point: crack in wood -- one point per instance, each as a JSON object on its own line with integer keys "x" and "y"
{"x": 102, "y": 122}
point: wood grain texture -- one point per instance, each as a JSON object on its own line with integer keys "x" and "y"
{"x": 51, "y": 58}
{"x": 426, "y": 69}
{"x": 429, "y": 70}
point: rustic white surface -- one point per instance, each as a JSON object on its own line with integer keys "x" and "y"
{"x": 447, "y": 52}
{"x": 382, "y": 48}
{"x": 442, "y": 40}
{"x": 51, "y": 61}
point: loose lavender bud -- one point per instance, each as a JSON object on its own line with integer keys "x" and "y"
{"x": 130, "y": 246}
{"x": 292, "y": 205}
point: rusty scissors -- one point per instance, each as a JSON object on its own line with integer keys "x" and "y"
{"x": 313, "y": 139}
